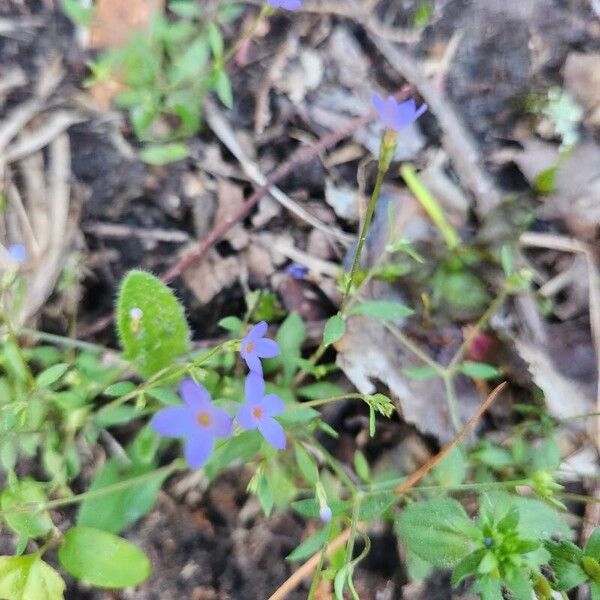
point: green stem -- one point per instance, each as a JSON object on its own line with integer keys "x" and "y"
{"x": 382, "y": 169}
{"x": 452, "y": 402}
{"x": 322, "y": 401}
{"x": 59, "y": 340}
{"x": 160, "y": 377}
{"x": 165, "y": 471}
{"x": 414, "y": 349}
{"x": 353, "y": 527}
{"x": 317, "y": 576}
{"x": 335, "y": 466}
{"x": 314, "y": 359}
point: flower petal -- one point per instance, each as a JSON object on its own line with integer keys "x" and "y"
{"x": 245, "y": 417}
{"x": 273, "y": 405}
{"x": 174, "y": 421}
{"x": 253, "y": 363}
{"x": 196, "y": 396}
{"x": 255, "y": 388}
{"x": 378, "y": 103}
{"x": 258, "y": 331}
{"x": 266, "y": 348}
{"x": 198, "y": 449}
{"x": 222, "y": 423}
{"x": 273, "y": 432}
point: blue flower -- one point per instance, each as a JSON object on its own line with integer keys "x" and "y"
{"x": 199, "y": 422}
{"x": 255, "y": 346}
{"x": 296, "y": 271}
{"x": 397, "y": 115}
{"x": 325, "y": 514}
{"x": 18, "y": 253}
{"x": 287, "y": 4}
{"x": 258, "y": 411}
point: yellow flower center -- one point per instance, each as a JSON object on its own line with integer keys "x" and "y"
{"x": 249, "y": 347}
{"x": 203, "y": 419}
{"x": 258, "y": 412}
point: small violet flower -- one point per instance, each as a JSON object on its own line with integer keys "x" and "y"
{"x": 255, "y": 346}
{"x": 287, "y": 4}
{"x": 397, "y": 115}
{"x": 258, "y": 411}
{"x": 18, "y": 253}
{"x": 199, "y": 422}
{"x": 325, "y": 514}
{"x": 296, "y": 271}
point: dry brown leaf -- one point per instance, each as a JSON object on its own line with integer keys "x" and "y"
{"x": 115, "y": 21}
{"x": 230, "y": 198}
{"x": 582, "y": 78}
{"x": 211, "y": 275}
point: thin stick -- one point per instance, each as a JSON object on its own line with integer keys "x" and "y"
{"x": 298, "y": 158}
{"x": 307, "y": 568}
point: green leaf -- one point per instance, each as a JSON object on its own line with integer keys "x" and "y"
{"x": 452, "y": 470}
{"x": 418, "y": 569}
{"x": 79, "y": 13}
{"x": 334, "y": 330}
{"x": 545, "y": 181}
{"x": 309, "y": 546}
{"x": 373, "y": 506}
{"x": 307, "y": 465}
{"x": 310, "y": 508}
{"x": 215, "y": 40}
{"x": 29, "y": 578}
{"x": 489, "y": 587}
{"x": 163, "y": 154}
{"x": 51, "y": 375}
{"x": 26, "y": 524}
{"x": 519, "y": 583}
{"x": 383, "y": 310}
{"x": 595, "y": 591}
{"x": 361, "y": 466}
{"x": 119, "y": 389}
{"x": 102, "y": 559}
{"x": 115, "y": 511}
{"x": 185, "y": 9}
{"x": 223, "y": 89}
{"x": 320, "y": 390}
{"x": 419, "y": 372}
{"x": 537, "y": 521}
{"x": 592, "y": 548}
{"x": 565, "y": 561}
{"x": 436, "y": 530}
{"x": 151, "y": 323}
{"x": 478, "y": 370}
{"x": 232, "y": 324}
{"x": 467, "y": 567}
{"x": 290, "y": 337}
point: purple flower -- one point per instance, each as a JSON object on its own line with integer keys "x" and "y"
{"x": 397, "y": 115}
{"x": 255, "y": 346}
{"x": 287, "y": 4}
{"x": 258, "y": 411}
{"x": 18, "y": 253}
{"x": 325, "y": 514}
{"x": 296, "y": 271}
{"x": 199, "y": 422}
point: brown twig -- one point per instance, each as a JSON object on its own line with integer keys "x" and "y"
{"x": 298, "y": 158}
{"x": 290, "y": 584}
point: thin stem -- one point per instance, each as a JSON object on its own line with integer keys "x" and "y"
{"x": 160, "y": 377}
{"x": 382, "y": 169}
{"x": 35, "y": 507}
{"x": 353, "y": 527}
{"x": 335, "y": 466}
{"x": 322, "y": 401}
{"x": 414, "y": 349}
{"x": 452, "y": 401}
{"x": 60, "y": 340}
{"x": 317, "y": 576}
{"x": 483, "y": 320}
{"x": 247, "y": 33}
{"x": 314, "y": 359}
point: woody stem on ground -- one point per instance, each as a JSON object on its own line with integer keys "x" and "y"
{"x": 247, "y": 34}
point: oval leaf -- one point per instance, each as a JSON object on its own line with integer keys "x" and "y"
{"x": 151, "y": 323}
{"x": 102, "y": 559}
{"x": 334, "y": 330}
{"x": 383, "y": 310}
{"x": 29, "y": 578}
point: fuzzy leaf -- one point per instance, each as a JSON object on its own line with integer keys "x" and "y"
{"x": 151, "y": 323}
